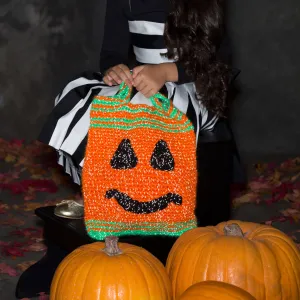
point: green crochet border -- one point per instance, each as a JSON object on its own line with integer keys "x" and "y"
{"x": 143, "y": 229}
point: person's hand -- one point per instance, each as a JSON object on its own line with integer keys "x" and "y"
{"x": 117, "y": 74}
{"x": 149, "y": 79}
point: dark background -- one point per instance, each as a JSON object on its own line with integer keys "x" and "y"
{"x": 44, "y": 43}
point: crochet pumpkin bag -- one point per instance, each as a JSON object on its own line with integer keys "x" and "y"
{"x": 139, "y": 175}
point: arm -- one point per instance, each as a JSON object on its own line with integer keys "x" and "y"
{"x": 116, "y": 40}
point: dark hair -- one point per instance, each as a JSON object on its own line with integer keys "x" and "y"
{"x": 195, "y": 28}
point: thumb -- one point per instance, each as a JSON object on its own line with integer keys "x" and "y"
{"x": 137, "y": 70}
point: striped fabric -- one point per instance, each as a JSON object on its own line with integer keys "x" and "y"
{"x": 68, "y": 124}
{"x": 109, "y": 114}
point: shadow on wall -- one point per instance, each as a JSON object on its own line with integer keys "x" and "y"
{"x": 43, "y": 44}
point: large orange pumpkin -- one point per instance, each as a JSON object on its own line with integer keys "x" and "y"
{"x": 257, "y": 258}
{"x": 215, "y": 290}
{"x": 110, "y": 271}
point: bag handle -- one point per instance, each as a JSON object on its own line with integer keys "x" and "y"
{"x": 158, "y": 100}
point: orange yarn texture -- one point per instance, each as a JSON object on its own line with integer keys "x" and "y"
{"x": 139, "y": 175}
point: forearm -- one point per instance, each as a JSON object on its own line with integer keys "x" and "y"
{"x": 175, "y": 72}
{"x": 170, "y": 71}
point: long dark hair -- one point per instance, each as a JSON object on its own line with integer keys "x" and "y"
{"x": 195, "y": 28}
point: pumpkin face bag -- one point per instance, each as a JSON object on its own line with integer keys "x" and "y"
{"x": 139, "y": 175}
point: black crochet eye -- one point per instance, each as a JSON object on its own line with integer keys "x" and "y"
{"x": 162, "y": 158}
{"x": 124, "y": 157}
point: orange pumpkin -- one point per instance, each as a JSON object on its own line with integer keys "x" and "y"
{"x": 110, "y": 271}
{"x": 257, "y": 258}
{"x": 215, "y": 290}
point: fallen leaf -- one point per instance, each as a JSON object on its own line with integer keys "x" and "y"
{"x": 31, "y": 206}
{"x": 292, "y": 213}
{"x": 52, "y": 202}
{"x": 16, "y": 142}
{"x": 22, "y": 160}
{"x": 4, "y": 243}
{"x": 14, "y": 250}
{"x": 257, "y": 186}
{"x": 269, "y": 223}
{"x": 3, "y": 208}
{"x": 260, "y": 168}
{"x": 294, "y": 178}
{"x": 249, "y": 197}
{"x": 12, "y": 221}
{"x": 25, "y": 265}
{"x": 37, "y": 176}
{"x": 276, "y": 176}
{"x": 36, "y": 247}
{"x": 6, "y": 269}
{"x": 30, "y": 232}
{"x": 10, "y": 158}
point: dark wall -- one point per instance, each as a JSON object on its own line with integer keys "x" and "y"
{"x": 43, "y": 43}
{"x": 266, "y": 42}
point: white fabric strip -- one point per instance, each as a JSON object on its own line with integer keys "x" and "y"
{"x": 81, "y": 128}
{"x": 63, "y": 123}
{"x": 62, "y": 126}
{"x": 69, "y": 167}
{"x": 60, "y": 158}
{"x": 180, "y": 100}
{"x": 74, "y": 84}
{"x": 146, "y": 27}
{"x": 77, "y": 134}
{"x": 191, "y": 89}
{"x": 82, "y": 163}
{"x": 140, "y": 99}
{"x": 210, "y": 125}
{"x": 150, "y": 56}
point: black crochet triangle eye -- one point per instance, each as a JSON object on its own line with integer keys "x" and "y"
{"x": 124, "y": 157}
{"x": 162, "y": 158}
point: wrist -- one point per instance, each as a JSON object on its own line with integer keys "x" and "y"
{"x": 169, "y": 71}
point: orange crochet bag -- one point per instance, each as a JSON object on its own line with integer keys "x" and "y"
{"x": 139, "y": 175}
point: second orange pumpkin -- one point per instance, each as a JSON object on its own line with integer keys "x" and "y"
{"x": 257, "y": 258}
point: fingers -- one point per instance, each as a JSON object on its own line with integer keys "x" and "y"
{"x": 118, "y": 74}
{"x": 137, "y": 81}
{"x": 109, "y": 81}
{"x": 141, "y": 87}
{"x": 126, "y": 74}
{"x": 121, "y": 73}
{"x": 114, "y": 76}
{"x": 147, "y": 92}
{"x": 136, "y": 71}
{"x": 144, "y": 88}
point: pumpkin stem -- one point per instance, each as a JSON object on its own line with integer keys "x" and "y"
{"x": 111, "y": 246}
{"x": 233, "y": 230}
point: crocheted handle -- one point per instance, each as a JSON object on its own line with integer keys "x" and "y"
{"x": 158, "y": 100}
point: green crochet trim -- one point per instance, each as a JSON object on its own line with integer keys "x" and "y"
{"x": 120, "y": 102}
{"x": 144, "y": 228}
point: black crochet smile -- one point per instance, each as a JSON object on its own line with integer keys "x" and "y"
{"x": 138, "y": 207}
